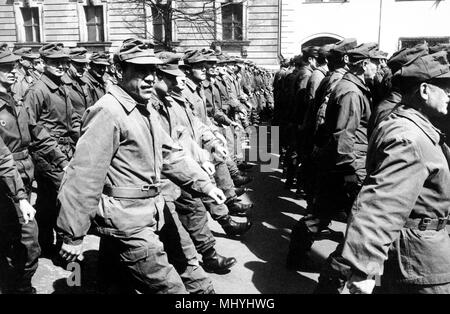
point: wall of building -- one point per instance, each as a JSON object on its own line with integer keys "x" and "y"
{"x": 7, "y": 22}
{"x": 361, "y": 19}
{"x": 303, "y": 21}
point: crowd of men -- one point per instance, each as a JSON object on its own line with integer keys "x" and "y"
{"x": 134, "y": 147}
{"x": 363, "y": 142}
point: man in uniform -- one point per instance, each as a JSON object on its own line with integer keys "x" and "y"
{"x": 50, "y": 106}
{"x": 79, "y": 92}
{"x": 398, "y": 224}
{"x": 19, "y": 247}
{"x": 343, "y": 167}
{"x": 114, "y": 178}
{"x": 95, "y": 75}
{"x": 26, "y": 75}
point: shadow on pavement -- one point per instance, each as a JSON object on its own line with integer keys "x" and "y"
{"x": 269, "y": 237}
{"x": 88, "y": 277}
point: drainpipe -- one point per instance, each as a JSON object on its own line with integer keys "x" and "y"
{"x": 280, "y": 14}
{"x": 379, "y": 22}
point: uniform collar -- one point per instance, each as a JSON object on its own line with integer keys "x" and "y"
{"x": 91, "y": 78}
{"x": 6, "y": 100}
{"x": 191, "y": 85}
{"x": 421, "y": 121}
{"x": 49, "y": 82}
{"x": 127, "y": 102}
{"x": 357, "y": 81}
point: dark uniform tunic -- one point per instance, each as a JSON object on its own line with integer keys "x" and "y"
{"x": 408, "y": 181}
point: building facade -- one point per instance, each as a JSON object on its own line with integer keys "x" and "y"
{"x": 264, "y": 31}
{"x": 246, "y": 28}
{"x": 391, "y": 23}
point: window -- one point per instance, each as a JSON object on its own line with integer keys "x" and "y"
{"x": 409, "y": 42}
{"x": 31, "y": 24}
{"x": 94, "y": 23}
{"x": 158, "y": 23}
{"x": 232, "y": 21}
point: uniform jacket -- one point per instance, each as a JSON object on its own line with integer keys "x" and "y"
{"x": 23, "y": 83}
{"x": 19, "y": 133}
{"x": 122, "y": 145}
{"x": 383, "y": 109}
{"x": 214, "y": 103}
{"x": 79, "y": 93}
{"x": 347, "y": 118}
{"x": 51, "y": 108}
{"x": 173, "y": 119}
{"x": 97, "y": 88}
{"x": 408, "y": 177}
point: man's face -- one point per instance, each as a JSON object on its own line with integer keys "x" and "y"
{"x": 27, "y": 64}
{"x": 38, "y": 65}
{"x": 199, "y": 71}
{"x": 211, "y": 69}
{"x": 181, "y": 84}
{"x": 79, "y": 68}
{"x": 222, "y": 70}
{"x": 138, "y": 81}
{"x": 56, "y": 67}
{"x": 8, "y": 74}
{"x": 370, "y": 70}
{"x": 436, "y": 98}
{"x": 97, "y": 69}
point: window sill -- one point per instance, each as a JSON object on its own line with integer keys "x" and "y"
{"x": 96, "y": 46}
{"x": 232, "y": 43}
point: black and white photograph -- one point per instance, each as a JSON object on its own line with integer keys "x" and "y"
{"x": 246, "y": 149}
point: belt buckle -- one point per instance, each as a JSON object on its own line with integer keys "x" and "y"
{"x": 145, "y": 188}
{"x": 424, "y": 224}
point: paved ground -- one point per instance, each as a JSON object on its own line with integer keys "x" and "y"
{"x": 260, "y": 254}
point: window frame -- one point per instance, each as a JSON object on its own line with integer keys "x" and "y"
{"x": 21, "y": 33}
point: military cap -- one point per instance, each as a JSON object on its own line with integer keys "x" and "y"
{"x": 210, "y": 55}
{"x": 194, "y": 56}
{"x": 310, "y": 52}
{"x": 298, "y": 59}
{"x": 439, "y": 47}
{"x": 100, "y": 58}
{"x": 343, "y": 46}
{"x": 168, "y": 57}
{"x": 26, "y": 53}
{"x": 53, "y": 51}
{"x": 7, "y": 56}
{"x": 3, "y": 46}
{"x": 361, "y": 52}
{"x": 171, "y": 69}
{"x": 406, "y": 55}
{"x": 78, "y": 55}
{"x": 428, "y": 67}
{"x": 377, "y": 54}
{"x": 324, "y": 51}
{"x": 137, "y": 51}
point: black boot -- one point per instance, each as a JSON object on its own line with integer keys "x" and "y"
{"x": 299, "y": 246}
{"x": 240, "y": 180}
{"x": 236, "y": 208}
{"x": 233, "y": 228}
{"x": 215, "y": 263}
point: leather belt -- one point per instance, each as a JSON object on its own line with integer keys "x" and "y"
{"x": 423, "y": 224}
{"x": 142, "y": 192}
{"x": 20, "y": 155}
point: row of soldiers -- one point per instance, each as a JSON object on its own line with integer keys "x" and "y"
{"x": 137, "y": 149}
{"x": 363, "y": 137}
